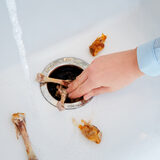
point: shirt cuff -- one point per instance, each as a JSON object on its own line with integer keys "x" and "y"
{"x": 147, "y": 60}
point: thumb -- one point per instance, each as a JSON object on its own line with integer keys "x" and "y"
{"x": 96, "y": 91}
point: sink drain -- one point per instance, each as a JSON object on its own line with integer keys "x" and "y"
{"x": 63, "y": 68}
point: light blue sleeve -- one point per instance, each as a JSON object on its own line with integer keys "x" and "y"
{"x": 148, "y": 56}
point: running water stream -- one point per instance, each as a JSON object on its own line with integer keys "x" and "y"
{"x": 17, "y": 33}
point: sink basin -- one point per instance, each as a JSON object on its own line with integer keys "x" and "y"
{"x": 129, "y": 118}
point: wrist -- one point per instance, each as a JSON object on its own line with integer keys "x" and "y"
{"x": 137, "y": 70}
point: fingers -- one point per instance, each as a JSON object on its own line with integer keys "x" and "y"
{"x": 78, "y": 81}
{"x": 96, "y": 91}
{"x": 84, "y": 88}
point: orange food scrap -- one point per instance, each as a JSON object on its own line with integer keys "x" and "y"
{"x": 97, "y": 45}
{"x": 91, "y": 132}
{"x": 75, "y": 123}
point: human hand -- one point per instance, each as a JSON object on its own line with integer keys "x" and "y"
{"x": 106, "y": 74}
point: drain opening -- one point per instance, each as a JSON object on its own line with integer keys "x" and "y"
{"x": 64, "y": 72}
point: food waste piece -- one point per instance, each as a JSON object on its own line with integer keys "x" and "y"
{"x": 75, "y": 123}
{"x": 91, "y": 132}
{"x": 19, "y": 122}
{"x": 63, "y": 93}
{"x": 97, "y": 45}
{"x": 41, "y": 78}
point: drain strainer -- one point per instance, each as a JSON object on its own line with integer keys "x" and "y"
{"x": 63, "y": 68}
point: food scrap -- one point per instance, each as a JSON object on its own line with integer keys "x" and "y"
{"x": 91, "y": 132}
{"x": 63, "y": 93}
{"x": 19, "y": 122}
{"x": 41, "y": 78}
{"x": 97, "y": 45}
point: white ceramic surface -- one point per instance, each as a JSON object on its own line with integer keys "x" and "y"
{"x": 129, "y": 118}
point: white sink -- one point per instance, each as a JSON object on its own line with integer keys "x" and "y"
{"x": 129, "y": 119}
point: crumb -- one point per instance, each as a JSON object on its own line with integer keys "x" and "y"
{"x": 97, "y": 45}
{"x": 75, "y": 123}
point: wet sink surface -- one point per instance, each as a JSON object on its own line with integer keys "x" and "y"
{"x": 129, "y": 119}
